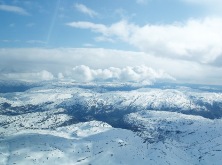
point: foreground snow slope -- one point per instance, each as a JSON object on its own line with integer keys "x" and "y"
{"x": 109, "y": 146}
{"x": 162, "y": 138}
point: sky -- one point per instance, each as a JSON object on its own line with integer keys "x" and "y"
{"x": 138, "y": 40}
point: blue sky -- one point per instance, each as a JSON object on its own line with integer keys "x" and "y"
{"x": 43, "y": 23}
{"x": 181, "y": 38}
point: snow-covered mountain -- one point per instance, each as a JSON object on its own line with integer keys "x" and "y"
{"x": 96, "y": 123}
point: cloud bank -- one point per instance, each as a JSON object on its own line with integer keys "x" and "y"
{"x": 61, "y": 61}
{"x": 30, "y": 77}
{"x": 82, "y": 73}
{"x": 142, "y": 74}
{"x": 193, "y": 40}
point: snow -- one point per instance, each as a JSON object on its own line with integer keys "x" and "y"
{"x": 72, "y": 145}
{"x": 41, "y": 126}
{"x": 143, "y": 98}
{"x": 193, "y": 139}
{"x": 105, "y": 146}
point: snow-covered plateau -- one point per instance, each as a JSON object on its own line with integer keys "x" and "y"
{"x": 110, "y": 123}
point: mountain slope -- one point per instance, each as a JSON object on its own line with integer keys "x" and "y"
{"x": 70, "y": 123}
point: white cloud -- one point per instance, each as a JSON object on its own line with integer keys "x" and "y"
{"x": 82, "y": 8}
{"x": 30, "y": 77}
{"x": 88, "y": 25}
{"x": 14, "y": 9}
{"x": 198, "y": 40}
{"x": 83, "y": 73}
{"x": 194, "y": 40}
{"x": 121, "y": 30}
{"x": 62, "y": 60}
